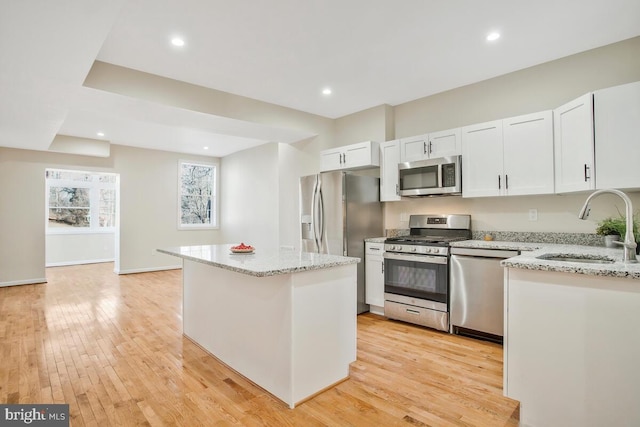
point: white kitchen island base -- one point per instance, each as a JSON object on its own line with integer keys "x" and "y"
{"x": 572, "y": 348}
{"x": 292, "y": 334}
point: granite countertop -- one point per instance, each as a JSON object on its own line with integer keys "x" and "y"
{"x": 493, "y": 244}
{"x": 534, "y": 260}
{"x": 375, "y": 239}
{"x": 532, "y": 257}
{"x": 260, "y": 263}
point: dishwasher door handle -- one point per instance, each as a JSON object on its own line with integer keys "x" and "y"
{"x": 485, "y": 253}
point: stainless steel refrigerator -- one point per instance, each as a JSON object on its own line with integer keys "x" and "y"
{"x": 338, "y": 210}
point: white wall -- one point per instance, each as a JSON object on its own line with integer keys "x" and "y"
{"x": 250, "y": 197}
{"x": 84, "y": 248}
{"x": 148, "y": 210}
{"x": 557, "y": 213}
{"x": 538, "y": 88}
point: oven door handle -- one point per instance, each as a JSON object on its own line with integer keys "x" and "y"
{"x": 427, "y": 259}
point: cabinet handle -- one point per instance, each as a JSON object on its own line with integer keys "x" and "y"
{"x": 430, "y": 147}
{"x": 397, "y": 190}
{"x": 586, "y": 173}
{"x": 424, "y": 147}
{"x": 499, "y": 182}
{"x": 506, "y": 182}
{"x": 382, "y": 267}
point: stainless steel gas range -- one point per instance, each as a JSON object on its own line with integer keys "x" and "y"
{"x": 416, "y": 269}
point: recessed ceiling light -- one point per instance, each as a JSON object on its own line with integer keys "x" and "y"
{"x": 326, "y": 91}
{"x": 177, "y": 41}
{"x": 493, "y": 36}
{"x": 206, "y": 148}
{"x": 100, "y": 133}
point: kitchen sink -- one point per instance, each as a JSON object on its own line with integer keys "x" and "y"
{"x": 586, "y": 259}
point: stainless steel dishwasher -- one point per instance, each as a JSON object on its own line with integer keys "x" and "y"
{"x": 477, "y": 292}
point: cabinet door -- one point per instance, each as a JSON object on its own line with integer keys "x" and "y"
{"x": 331, "y": 160}
{"x": 445, "y": 143}
{"x": 374, "y": 274}
{"x": 482, "y": 160}
{"x": 528, "y": 154}
{"x": 414, "y": 148}
{"x": 617, "y": 136}
{"x": 359, "y": 155}
{"x": 390, "y": 157}
{"x": 573, "y": 140}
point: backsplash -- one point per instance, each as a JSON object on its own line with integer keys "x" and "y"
{"x": 586, "y": 239}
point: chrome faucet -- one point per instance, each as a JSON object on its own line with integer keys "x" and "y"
{"x": 629, "y": 243}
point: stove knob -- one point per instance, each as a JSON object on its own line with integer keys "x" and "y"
{"x": 427, "y": 250}
{"x": 414, "y": 249}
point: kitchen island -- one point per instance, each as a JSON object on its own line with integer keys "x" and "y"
{"x": 285, "y": 320}
{"x": 572, "y": 346}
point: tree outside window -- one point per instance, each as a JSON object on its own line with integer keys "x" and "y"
{"x": 197, "y": 196}
{"x": 80, "y": 201}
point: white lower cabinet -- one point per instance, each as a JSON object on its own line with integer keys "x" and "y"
{"x": 374, "y": 276}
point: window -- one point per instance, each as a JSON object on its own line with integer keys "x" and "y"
{"x": 80, "y": 202}
{"x": 197, "y": 195}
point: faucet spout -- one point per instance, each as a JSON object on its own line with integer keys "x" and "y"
{"x": 629, "y": 243}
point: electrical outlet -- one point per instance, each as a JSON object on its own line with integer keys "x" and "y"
{"x": 533, "y": 214}
{"x": 153, "y": 252}
{"x": 404, "y": 217}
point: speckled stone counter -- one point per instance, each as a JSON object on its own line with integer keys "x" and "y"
{"x": 533, "y": 254}
{"x": 535, "y": 260}
{"x": 498, "y": 245}
{"x": 260, "y": 263}
{"x": 375, "y": 239}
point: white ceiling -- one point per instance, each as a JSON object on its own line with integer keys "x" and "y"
{"x": 370, "y": 52}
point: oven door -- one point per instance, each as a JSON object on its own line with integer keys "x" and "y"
{"x": 422, "y": 277}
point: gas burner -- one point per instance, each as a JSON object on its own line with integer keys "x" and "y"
{"x": 436, "y": 231}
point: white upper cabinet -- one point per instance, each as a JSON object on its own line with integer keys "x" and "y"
{"x": 355, "y": 156}
{"x": 508, "y": 157}
{"x": 414, "y": 148}
{"x": 445, "y": 143}
{"x": 482, "y": 160}
{"x": 528, "y": 154}
{"x": 574, "y": 145}
{"x": 389, "y": 159}
{"x": 430, "y": 146}
{"x": 617, "y": 136}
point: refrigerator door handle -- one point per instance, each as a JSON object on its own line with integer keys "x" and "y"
{"x": 321, "y": 216}
{"x": 314, "y": 214}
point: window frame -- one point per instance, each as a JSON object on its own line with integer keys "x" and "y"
{"x": 215, "y": 199}
{"x": 94, "y": 186}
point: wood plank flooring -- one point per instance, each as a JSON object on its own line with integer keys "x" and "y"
{"x": 112, "y": 348}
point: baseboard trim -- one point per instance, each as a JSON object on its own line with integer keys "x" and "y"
{"x": 149, "y": 270}
{"x": 88, "y": 261}
{"x": 24, "y": 282}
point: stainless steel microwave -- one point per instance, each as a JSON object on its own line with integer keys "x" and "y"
{"x": 432, "y": 177}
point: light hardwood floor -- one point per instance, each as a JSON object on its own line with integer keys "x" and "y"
{"x": 112, "y": 348}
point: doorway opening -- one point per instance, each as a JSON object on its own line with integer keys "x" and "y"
{"x": 82, "y": 217}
